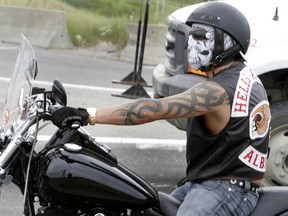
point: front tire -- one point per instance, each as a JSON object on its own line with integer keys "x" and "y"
{"x": 277, "y": 167}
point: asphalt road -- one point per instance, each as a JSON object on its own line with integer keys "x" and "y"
{"x": 156, "y": 151}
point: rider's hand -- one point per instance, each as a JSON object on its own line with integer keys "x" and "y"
{"x": 66, "y": 116}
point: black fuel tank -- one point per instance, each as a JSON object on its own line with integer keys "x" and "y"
{"x": 79, "y": 176}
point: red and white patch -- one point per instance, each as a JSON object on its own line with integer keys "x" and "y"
{"x": 240, "y": 106}
{"x": 259, "y": 120}
{"x": 254, "y": 159}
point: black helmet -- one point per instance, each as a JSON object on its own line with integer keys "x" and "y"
{"x": 225, "y": 17}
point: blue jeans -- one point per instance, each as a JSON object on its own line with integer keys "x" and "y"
{"x": 214, "y": 197}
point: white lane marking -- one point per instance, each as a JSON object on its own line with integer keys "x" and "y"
{"x": 67, "y": 85}
{"x": 169, "y": 144}
{"x": 9, "y": 47}
{"x": 5, "y": 79}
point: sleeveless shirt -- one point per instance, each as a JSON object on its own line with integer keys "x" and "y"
{"x": 240, "y": 150}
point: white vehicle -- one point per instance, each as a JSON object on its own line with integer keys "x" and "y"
{"x": 267, "y": 56}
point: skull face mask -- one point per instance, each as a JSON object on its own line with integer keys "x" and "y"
{"x": 200, "y": 48}
{"x": 201, "y": 42}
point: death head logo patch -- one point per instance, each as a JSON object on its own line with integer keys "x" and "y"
{"x": 260, "y": 120}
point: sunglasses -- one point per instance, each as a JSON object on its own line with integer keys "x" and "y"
{"x": 200, "y": 34}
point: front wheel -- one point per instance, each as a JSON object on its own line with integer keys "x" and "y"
{"x": 277, "y": 167}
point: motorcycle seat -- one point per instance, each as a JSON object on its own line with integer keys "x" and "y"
{"x": 168, "y": 204}
{"x": 272, "y": 201}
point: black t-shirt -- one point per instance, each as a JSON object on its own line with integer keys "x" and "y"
{"x": 240, "y": 149}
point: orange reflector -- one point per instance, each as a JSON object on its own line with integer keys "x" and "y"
{"x": 6, "y": 116}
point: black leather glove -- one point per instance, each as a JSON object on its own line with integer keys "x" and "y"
{"x": 66, "y": 116}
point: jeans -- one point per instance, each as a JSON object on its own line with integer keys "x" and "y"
{"x": 214, "y": 197}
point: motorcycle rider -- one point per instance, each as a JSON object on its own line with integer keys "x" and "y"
{"x": 228, "y": 117}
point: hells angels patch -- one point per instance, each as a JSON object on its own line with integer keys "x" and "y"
{"x": 259, "y": 120}
{"x": 240, "y": 106}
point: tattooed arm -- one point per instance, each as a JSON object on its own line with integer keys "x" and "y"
{"x": 206, "y": 97}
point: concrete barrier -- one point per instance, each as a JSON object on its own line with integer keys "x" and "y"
{"x": 47, "y": 29}
{"x": 44, "y": 28}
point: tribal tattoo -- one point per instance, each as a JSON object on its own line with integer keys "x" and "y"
{"x": 194, "y": 102}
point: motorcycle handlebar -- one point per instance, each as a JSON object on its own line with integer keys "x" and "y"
{"x": 22, "y": 128}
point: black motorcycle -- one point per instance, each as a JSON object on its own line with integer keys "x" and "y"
{"x": 73, "y": 174}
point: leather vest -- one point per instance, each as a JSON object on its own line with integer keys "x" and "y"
{"x": 240, "y": 150}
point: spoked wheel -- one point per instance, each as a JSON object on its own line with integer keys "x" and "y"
{"x": 277, "y": 167}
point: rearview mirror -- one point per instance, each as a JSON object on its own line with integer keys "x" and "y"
{"x": 59, "y": 93}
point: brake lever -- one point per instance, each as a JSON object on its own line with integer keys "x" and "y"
{"x": 74, "y": 125}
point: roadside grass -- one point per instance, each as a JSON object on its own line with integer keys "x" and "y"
{"x": 88, "y": 29}
{"x": 90, "y": 22}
